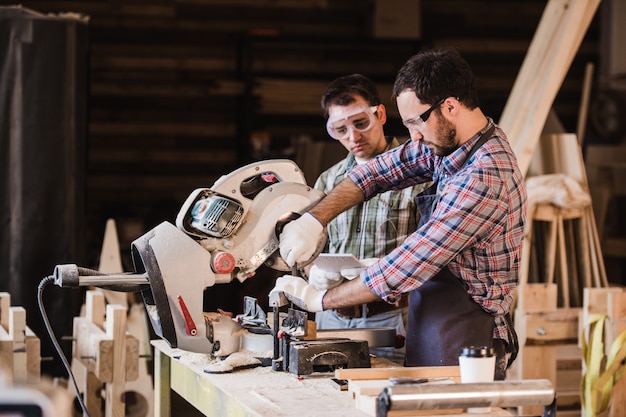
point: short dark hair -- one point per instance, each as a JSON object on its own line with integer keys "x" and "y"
{"x": 436, "y": 74}
{"x": 341, "y": 91}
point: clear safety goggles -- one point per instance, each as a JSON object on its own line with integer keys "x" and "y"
{"x": 360, "y": 119}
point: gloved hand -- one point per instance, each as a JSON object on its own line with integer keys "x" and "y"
{"x": 323, "y": 279}
{"x": 299, "y": 239}
{"x": 298, "y": 291}
{"x": 351, "y": 273}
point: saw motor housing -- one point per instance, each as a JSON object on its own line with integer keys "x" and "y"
{"x": 224, "y": 232}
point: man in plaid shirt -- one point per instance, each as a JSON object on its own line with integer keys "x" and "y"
{"x": 461, "y": 266}
{"x": 372, "y": 229}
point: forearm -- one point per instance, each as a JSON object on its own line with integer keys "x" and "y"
{"x": 348, "y": 294}
{"x": 341, "y": 198}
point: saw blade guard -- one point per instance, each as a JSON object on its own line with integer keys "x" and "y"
{"x": 235, "y": 219}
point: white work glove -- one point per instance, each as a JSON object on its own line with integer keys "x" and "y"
{"x": 298, "y": 291}
{"x": 299, "y": 239}
{"x": 323, "y": 279}
{"x": 351, "y": 273}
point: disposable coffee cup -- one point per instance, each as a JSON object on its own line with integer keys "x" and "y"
{"x": 478, "y": 364}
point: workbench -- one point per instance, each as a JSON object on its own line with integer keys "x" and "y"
{"x": 255, "y": 392}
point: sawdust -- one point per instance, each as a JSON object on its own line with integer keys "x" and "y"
{"x": 234, "y": 361}
{"x": 194, "y": 357}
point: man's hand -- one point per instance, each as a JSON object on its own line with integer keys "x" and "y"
{"x": 299, "y": 239}
{"x": 298, "y": 291}
{"x": 323, "y": 279}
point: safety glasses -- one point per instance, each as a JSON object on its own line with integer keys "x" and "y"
{"x": 359, "y": 119}
{"x": 415, "y": 123}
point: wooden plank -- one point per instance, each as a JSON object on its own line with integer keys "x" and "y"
{"x": 385, "y": 373}
{"x": 366, "y": 393}
{"x": 33, "y": 357}
{"x": 162, "y": 397}
{"x": 559, "y": 154}
{"x": 17, "y": 331}
{"x": 537, "y": 297}
{"x": 95, "y": 308}
{"x": 564, "y": 279}
{"x": 5, "y": 305}
{"x": 551, "y": 52}
{"x": 95, "y": 349}
{"x": 551, "y": 327}
{"x": 583, "y": 110}
{"x": 535, "y": 362}
{"x": 540, "y": 327}
{"x": 6, "y": 355}
{"x": 375, "y": 386}
{"x": 20, "y": 348}
{"x": 116, "y": 331}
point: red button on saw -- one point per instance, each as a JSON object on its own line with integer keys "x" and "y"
{"x": 223, "y": 263}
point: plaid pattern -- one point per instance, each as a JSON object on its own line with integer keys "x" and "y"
{"x": 376, "y": 227}
{"x": 476, "y": 229}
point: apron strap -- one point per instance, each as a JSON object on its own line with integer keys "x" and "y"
{"x": 483, "y": 138}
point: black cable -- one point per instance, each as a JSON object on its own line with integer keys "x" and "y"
{"x": 55, "y": 342}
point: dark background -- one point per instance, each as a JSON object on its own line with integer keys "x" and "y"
{"x": 177, "y": 89}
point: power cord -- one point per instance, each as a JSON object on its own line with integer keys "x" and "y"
{"x": 44, "y": 282}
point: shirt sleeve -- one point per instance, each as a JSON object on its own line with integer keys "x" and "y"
{"x": 465, "y": 218}
{"x": 401, "y": 167}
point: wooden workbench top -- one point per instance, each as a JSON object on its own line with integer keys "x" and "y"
{"x": 255, "y": 392}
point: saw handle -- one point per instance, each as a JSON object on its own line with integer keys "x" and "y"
{"x": 280, "y": 225}
{"x": 283, "y": 220}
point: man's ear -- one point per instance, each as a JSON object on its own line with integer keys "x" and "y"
{"x": 451, "y": 105}
{"x": 382, "y": 114}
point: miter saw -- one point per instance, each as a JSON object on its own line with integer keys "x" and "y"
{"x": 221, "y": 233}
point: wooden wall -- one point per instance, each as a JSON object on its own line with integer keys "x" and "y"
{"x": 179, "y": 87}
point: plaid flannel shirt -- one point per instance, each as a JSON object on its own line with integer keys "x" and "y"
{"x": 476, "y": 229}
{"x": 376, "y": 227}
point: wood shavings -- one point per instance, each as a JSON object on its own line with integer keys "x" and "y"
{"x": 237, "y": 360}
{"x": 194, "y": 357}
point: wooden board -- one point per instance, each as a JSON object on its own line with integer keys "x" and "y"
{"x": 385, "y": 373}
{"x": 551, "y": 52}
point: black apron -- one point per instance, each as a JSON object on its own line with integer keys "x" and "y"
{"x": 443, "y": 317}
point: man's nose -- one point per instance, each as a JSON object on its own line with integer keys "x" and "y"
{"x": 354, "y": 134}
{"x": 416, "y": 135}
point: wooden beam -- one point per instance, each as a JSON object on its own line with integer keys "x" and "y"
{"x": 551, "y": 52}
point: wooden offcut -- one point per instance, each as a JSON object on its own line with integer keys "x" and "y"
{"x": 20, "y": 348}
{"x": 109, "y": 355}
{"x": 385, "y": 373}
{"x": 365, "y": 384}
